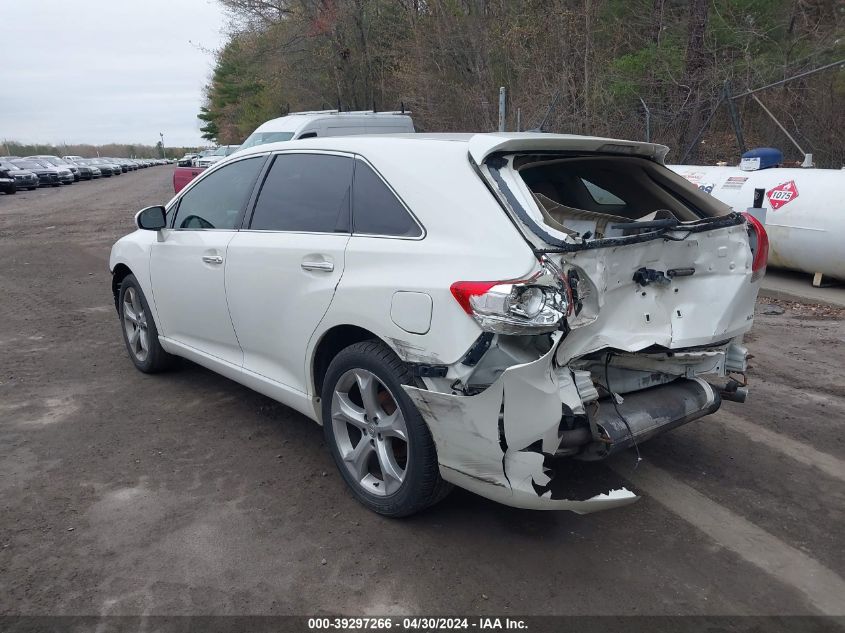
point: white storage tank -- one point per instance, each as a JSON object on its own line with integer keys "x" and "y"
{"x": 805, "y": 208}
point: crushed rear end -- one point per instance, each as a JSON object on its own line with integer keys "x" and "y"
{"x": 630, "y": 325}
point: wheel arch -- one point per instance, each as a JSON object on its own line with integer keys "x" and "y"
{"x": 119, "y": 273}
{"x": 331, "y": 343}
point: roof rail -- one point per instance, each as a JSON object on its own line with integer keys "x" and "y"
{"x": 311, "y": 112}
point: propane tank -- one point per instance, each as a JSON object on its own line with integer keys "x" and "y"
{"x": 803, "y": 210}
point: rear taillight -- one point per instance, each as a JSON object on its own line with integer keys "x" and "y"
{"x": 523, "y": 306}
{"x": 463, "y": 291}
{"x": 759, "y": 240}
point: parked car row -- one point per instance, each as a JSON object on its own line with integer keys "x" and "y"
{"x": 207, "y": 157}
{"x": 30, "y": 172}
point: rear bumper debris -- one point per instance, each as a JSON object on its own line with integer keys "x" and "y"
{"x": 499, "y": 443}
{"x": 643, "y": 414}
{"x": 510, "y": 442}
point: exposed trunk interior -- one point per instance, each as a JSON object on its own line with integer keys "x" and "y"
{"x": 585, "y": 196}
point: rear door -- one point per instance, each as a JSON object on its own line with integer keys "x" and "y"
{"x": 188, "y": 260}
{"x": 283, "y": 267}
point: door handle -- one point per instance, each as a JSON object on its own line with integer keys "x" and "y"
{"x": 212, "y": 259}
{"x": 324, "y": 266}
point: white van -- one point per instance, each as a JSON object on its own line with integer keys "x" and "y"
{"x": 297, "y": 125}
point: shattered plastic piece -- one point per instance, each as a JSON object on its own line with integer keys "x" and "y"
{"x": 496, "y": 443}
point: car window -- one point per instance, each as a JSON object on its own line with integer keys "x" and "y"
{"x": 261, "y": 138}
{"x": 305, "y": 192}
{"x": 601, "y": 196}
{"x": 216, "y": 201}
{"x": 375, "y": 208}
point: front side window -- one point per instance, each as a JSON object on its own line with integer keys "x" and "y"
{"x": 305, "y": 193}
{"x": 375, "y": 208}
{"x": 217, "y": 200}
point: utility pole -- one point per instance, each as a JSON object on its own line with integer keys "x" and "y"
{"x": 163, "y": 151}
{"x": 735, "y": 120}
{"x": 502, "y": 109}
{"x": 647, "y": 121}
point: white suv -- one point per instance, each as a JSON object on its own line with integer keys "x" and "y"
{"x": 473, "y": 310}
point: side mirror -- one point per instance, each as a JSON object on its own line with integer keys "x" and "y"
{"x": 151, "y": 218}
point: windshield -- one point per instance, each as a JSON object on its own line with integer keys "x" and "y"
{"x": 262, "y": 138}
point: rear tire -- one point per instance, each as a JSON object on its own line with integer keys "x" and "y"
{"x": 140, "y": 334}
{"x": 366, "y": 413}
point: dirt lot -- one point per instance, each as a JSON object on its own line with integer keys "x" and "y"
{"x": 185, "y": 493}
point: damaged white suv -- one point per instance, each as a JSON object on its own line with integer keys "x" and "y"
{"x": 473, "y": 310}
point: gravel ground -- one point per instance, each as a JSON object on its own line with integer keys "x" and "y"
{"x": 186, "y": 493}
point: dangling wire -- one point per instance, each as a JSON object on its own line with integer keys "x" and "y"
{"x": 616, "y": 407}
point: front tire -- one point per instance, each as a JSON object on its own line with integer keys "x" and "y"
{"x": 140, "y": 333}
{"x": 378, "y": 439}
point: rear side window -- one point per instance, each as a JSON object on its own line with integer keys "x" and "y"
{"x": 217, "y": 200}
{"x": 375, "y": 208}
{"x": 305, "y": 193}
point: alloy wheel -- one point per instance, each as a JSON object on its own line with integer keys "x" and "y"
{"x": 370, "y": 432}
{"x": 135, "y": 324}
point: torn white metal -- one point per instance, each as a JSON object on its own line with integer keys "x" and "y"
{"x": 496, "y": 443}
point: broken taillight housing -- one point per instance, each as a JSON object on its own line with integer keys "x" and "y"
{"x": 518, "y": 307}
{"x": 759, "y": 240}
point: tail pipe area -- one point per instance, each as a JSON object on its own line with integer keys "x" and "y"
{"x": 647, "y": 413}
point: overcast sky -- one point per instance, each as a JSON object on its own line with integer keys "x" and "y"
{"x": 94, "y": 71}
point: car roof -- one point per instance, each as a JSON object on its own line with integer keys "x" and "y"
{"x": 478, "y": 146}
{"x": 295, "y": 120}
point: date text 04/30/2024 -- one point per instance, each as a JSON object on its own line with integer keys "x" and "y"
{"x": 416, "y": 624}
